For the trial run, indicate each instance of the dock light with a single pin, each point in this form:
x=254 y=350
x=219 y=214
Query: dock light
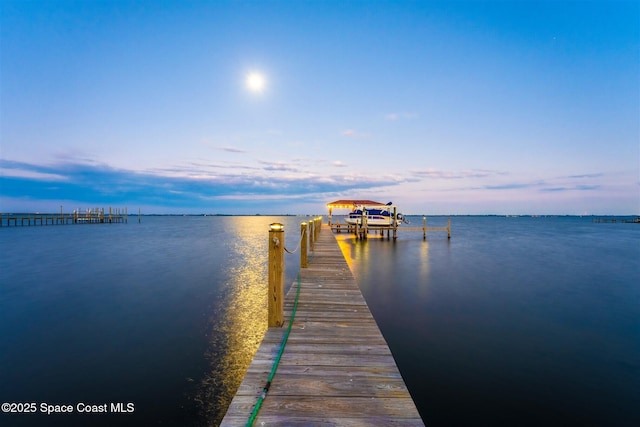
x=276 y=226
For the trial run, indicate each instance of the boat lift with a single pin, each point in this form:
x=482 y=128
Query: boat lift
x=362 y=229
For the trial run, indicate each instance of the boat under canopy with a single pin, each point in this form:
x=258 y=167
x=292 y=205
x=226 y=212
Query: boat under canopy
x=376 y=213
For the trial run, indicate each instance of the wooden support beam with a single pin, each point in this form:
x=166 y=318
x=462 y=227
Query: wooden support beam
x=276 y=275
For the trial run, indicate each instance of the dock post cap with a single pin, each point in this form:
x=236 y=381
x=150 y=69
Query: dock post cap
x=276 y=226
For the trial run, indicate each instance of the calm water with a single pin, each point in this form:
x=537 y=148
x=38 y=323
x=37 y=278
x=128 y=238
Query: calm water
x=517 y=321
x=514 y=321
x=165 y=314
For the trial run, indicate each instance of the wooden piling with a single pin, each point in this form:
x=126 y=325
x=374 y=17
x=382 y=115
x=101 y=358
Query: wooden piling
x=365 y=224
x=424 y=227
x=318 y=226
x=303 y=245
x=276 y=275
x=395 y=223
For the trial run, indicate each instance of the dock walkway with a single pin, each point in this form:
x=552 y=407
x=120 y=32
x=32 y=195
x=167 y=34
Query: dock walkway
x=336 y=368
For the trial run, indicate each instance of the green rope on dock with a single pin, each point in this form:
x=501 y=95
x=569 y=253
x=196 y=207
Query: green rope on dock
x=276 y=362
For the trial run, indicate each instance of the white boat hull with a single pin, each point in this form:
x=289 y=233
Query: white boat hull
x=376 y=216
x=371 y=221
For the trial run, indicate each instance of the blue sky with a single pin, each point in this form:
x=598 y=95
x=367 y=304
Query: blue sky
x=503 y=107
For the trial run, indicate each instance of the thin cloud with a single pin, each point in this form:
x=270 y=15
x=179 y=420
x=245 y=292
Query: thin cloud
x=568 y=183
x=232 y=150
x=198 y=169
x=339 y=164
x=573 y=188
x=586 y=187
x=442 y=174
x=25 y=171
x=398 y=116
x=542 y=186
x=509 y=186
x=278 y=166
x=351 y=133
x=586 y=175
x=499 y=181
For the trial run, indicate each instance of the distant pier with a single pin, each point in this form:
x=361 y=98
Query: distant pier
x=333 y=367
x=635 y=220
x=88 y=216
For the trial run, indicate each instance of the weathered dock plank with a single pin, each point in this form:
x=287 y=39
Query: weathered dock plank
x=336 y=368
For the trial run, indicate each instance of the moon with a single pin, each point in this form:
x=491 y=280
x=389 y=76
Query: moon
x=255 y=82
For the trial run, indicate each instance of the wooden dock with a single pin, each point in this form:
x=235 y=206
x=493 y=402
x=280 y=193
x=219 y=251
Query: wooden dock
x=635 y=220
x=89 y=216
x=336 y=367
